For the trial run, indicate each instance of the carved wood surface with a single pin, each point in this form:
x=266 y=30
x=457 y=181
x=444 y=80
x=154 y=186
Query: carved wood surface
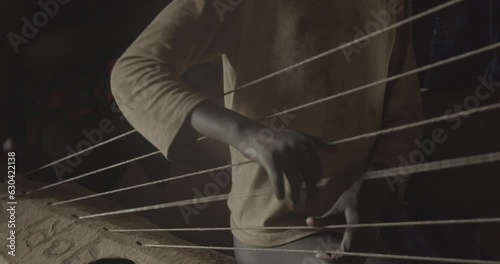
x=47 y=234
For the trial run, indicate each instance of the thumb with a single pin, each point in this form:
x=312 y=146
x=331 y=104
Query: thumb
x=351 y=219
x=334 y=216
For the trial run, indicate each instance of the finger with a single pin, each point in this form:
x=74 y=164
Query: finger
x=311 y=166
x=293 y=176
x=336 y=210
x=351 y=216
x=346 y=246
x=276 y=178
x=293 y=167
x=302 y=160
x=351 y=239
x=325 y=257
x=334 y=216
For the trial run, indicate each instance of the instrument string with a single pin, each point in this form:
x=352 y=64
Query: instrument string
x=363 y=87
x=353 y=254
x=329 y=227
x=333 y=143
x=392 y=172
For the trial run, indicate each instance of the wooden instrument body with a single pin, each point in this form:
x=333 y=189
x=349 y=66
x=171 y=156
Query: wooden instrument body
x=47 y=234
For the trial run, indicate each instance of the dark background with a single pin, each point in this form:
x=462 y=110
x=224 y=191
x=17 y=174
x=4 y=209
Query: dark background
x=58 y=85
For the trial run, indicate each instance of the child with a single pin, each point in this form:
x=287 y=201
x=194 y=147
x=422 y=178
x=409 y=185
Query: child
x=256 y=38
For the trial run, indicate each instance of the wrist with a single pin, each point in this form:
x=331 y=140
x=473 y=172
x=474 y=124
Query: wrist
x=242 y=130
x=221 y=124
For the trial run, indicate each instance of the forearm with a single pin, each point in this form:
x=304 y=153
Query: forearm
x=221 y=124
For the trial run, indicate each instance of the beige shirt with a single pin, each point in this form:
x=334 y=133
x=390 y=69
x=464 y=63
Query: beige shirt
x=259 y=37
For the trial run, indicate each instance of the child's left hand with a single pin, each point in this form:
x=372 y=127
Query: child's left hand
x=361 y=203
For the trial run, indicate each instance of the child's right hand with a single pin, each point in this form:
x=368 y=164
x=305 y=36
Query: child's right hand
x=285 y=154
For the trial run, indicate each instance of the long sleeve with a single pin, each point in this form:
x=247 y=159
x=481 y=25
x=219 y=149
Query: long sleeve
x=146 y=80
x=402 y=105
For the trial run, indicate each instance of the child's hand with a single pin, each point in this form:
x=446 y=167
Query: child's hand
x=361 y=203
x=284 y=153
x=289 y=154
